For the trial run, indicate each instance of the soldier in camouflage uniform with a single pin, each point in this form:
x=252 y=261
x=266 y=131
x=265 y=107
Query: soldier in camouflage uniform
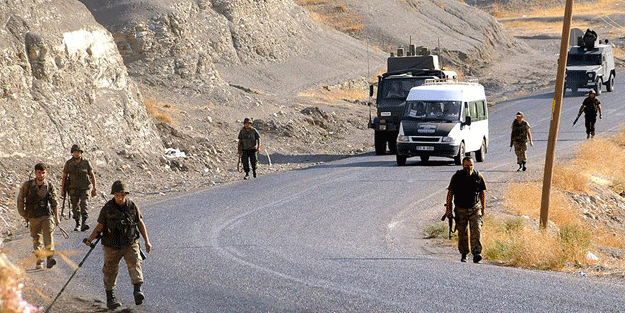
x=467 y=190
x=590 y=107
x=120 y=222
x=519 y=137
x=37 y=203
x=80 y=174
x=249 y=145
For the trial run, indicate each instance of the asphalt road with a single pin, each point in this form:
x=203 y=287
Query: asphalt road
x=346 y=236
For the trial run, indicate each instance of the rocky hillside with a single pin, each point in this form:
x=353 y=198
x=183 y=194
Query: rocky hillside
x=63 y=81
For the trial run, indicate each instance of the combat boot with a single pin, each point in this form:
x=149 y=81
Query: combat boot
x=463 y=258
x=138 y=294
x=111 y=302
x=254 y=172
x=77 y=227
x=524 y=168
x=84 y=224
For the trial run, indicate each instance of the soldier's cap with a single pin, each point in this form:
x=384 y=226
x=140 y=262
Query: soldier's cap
x=520 y=113
x=119 y=186
x=592 y=91
x=76 y=148
x=247 y=120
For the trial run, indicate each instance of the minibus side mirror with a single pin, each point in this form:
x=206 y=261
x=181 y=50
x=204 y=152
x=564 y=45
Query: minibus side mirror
x=370 y=90
x=467 y=121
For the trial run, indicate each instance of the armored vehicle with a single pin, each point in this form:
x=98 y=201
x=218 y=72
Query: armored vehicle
x=589 y=65
x=403 y=73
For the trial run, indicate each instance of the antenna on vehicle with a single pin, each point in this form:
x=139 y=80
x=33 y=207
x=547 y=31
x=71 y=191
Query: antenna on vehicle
x=440 y=55
x=368 y=77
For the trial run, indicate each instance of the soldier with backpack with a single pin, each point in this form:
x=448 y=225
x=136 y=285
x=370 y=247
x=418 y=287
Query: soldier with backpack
x=37 y=203
x=80 y=174
x=590 y=107
x=519 y=138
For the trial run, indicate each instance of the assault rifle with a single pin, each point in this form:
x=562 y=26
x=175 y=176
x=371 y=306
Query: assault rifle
x=575 y=121
x=450 y=220
x=65 y=193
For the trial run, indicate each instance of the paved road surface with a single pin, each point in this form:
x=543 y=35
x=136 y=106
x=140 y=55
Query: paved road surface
x=346 y=236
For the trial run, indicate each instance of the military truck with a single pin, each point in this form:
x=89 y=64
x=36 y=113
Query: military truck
x=590 y=65
x=403 y=73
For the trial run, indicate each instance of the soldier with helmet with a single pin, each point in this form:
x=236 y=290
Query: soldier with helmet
x=37 y=204
x=249 y=145
x=120 y=222
x=590 y=107
x=77 y=178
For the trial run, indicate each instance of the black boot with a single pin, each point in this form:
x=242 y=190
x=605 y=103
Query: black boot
x=77 y=227
x=84 y=224
x=138 y=294
x=111 y=302
x=524 y=168
x=254 y=172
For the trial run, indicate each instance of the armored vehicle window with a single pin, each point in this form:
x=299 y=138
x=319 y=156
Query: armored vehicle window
x=583 y=59
x=398 y=89
x=433 y=110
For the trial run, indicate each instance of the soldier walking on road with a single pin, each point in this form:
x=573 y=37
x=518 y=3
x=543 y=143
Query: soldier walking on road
x=519 y=137
x=37 y=203
x=77 y=177
x=467 y=189
x=120 y=222
x=590 y=107
x=249 y=145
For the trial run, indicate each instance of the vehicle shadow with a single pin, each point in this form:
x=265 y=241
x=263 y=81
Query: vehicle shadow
x=279 y=158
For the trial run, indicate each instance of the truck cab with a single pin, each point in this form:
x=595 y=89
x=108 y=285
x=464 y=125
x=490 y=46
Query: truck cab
x=403 y=73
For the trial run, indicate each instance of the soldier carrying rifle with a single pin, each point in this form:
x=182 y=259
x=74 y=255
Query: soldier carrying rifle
x=80 y=174
x=120 y=222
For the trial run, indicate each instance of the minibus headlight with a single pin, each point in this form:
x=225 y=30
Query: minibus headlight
x=402 y=138
x=448 y=139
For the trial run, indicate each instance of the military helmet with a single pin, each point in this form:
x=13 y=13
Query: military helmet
x=119 y=186
x=592 y=91
x=520 y=113
x=76 y=148
x=247 y=120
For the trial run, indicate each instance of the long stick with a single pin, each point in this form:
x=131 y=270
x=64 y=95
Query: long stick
x=70 y=278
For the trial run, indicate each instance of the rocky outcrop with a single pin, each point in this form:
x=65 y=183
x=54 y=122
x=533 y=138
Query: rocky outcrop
x=62 y=81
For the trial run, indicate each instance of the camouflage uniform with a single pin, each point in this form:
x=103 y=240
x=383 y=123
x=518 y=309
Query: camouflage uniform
x=466 y=191
x=78 y=171
x=120 y=223
x=518 y=139
x=38 y=204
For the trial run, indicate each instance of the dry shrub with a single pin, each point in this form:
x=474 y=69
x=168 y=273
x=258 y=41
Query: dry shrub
x=334 y=14
x=515 y=243
x=11 y=289
x=157 y=110
x=568 y=178
x=553 y=9
x=603 y=157
x=525 y=199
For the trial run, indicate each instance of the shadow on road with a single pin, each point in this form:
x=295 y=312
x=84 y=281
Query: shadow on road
x=279 y=158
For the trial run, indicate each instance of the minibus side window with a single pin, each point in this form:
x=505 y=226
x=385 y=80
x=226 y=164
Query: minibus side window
x=473 y=107
x=481 y=113
x=466 y=112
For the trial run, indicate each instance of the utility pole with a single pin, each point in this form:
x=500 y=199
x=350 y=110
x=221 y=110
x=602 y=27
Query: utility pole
x=555 y=114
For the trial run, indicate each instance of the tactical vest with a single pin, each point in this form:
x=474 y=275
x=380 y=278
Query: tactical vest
x=519 y=131
x=591 y=106
x=248 y=138
x=120 y=229
x=466 y=189
x=78 y=174
x=36 y=205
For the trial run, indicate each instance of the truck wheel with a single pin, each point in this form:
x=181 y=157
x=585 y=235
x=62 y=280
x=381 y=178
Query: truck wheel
x=392 y=144
x=610 y=85
x=480 y=155
x=425 y=158
x=598 y=88
x=401 y=159
x=380 y=143
x=458 y=158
